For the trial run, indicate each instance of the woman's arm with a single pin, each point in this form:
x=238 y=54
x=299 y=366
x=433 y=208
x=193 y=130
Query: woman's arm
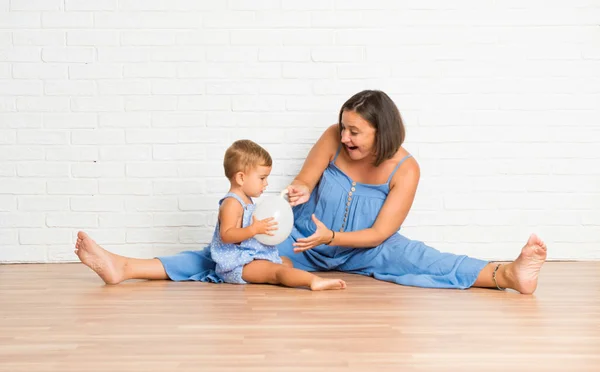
x=403 y=188
x=315 y=164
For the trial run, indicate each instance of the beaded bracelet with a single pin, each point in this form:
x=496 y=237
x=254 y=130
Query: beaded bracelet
x=494 y=278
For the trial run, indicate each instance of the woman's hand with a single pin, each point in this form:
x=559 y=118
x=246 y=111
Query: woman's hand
x=298 y=194
x=321 y=236
x=266 y=226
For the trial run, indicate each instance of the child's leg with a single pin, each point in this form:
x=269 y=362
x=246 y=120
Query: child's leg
x=287 y=262
x=262 y=271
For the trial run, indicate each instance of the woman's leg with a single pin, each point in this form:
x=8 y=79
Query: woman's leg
x=520 y=275
x=301 y=261
x=409 y=262
x=112 y=268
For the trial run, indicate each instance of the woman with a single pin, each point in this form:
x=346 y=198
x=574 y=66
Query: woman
x=350 y=198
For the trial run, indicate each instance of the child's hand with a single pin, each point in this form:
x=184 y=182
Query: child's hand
x=266 y=226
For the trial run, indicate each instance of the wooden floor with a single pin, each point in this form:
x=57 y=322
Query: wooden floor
x=62 y=318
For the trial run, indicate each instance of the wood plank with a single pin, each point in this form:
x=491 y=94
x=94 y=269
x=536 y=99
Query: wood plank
x=61 y=317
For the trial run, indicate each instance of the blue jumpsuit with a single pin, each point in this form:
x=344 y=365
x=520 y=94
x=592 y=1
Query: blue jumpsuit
x=345 y=205
x=230 y=258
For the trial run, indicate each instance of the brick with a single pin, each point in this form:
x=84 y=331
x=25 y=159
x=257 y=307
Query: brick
x=8 y=170
x=38 y=38
x=231 y=54
x=8 y=203
x=17 y=20
x=98 y=137
x=21 y=54
x=42 y=137
x=21 y=153
x=96 y=71
x=72 y=153
x=151 y=136
x=97 y=104
x=148 y=37
x=199 y=203
x=258 y=103
x=204 y=135
x=90 y=5
x=39 y=71
x=33 y=169
x=152 y=236
x=255 y=37
x=150 y=103
x=125 y=120
x=149 y=70
x=36 y=5
x=145 y=20
x=284 y=54
x=153 y=204
x=151 y=170
x=337 y=54
x=8 y=137
x=97 y=203
x=98 y=170
x=74 y=220
x=72 y=187
x=204 y=103
x=93 y=38
x=179 y=187
x=43 y=104
x=127 y=187
x=178 y=152
x=124 y=153
x=179 y=219
x=43 y=203
x=178 y=87
x=178 y=119
x=18 y=219
x=69 y=88
x=204 y=37
x=44 y=236
x=293 y=70
x=70 y=121
x=67 y=20
x=125 y=220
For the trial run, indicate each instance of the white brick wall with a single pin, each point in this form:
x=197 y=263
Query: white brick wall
x=114 y=114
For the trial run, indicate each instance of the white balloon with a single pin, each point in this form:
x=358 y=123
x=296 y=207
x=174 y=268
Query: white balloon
x=275 y=206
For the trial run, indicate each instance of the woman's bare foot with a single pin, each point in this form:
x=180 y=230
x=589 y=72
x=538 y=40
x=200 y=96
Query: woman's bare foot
x=524 y=271
x=321 y=284
x=108 y=266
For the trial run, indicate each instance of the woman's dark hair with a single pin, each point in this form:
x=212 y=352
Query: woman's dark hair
x=381 y=112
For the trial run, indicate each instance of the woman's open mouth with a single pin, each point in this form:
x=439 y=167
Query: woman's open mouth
x=351 y=148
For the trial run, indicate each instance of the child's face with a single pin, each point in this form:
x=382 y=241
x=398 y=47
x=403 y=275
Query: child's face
x=256 y=181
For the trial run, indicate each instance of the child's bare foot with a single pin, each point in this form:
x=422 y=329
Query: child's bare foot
x=321 y=284
x=524 y=271
x=108 y=266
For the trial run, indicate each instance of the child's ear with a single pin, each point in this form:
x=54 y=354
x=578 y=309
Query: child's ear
x=239 y=178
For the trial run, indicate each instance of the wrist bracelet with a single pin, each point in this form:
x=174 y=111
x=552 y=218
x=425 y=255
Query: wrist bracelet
x=332 y=237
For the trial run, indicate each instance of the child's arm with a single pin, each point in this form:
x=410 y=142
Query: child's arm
x=230 y=217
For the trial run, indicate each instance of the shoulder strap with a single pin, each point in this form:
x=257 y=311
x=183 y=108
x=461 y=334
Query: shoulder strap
x=337 y=153
x=234 y=196
x=398 y=166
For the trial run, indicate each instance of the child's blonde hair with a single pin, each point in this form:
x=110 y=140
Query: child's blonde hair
x=243 y=155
